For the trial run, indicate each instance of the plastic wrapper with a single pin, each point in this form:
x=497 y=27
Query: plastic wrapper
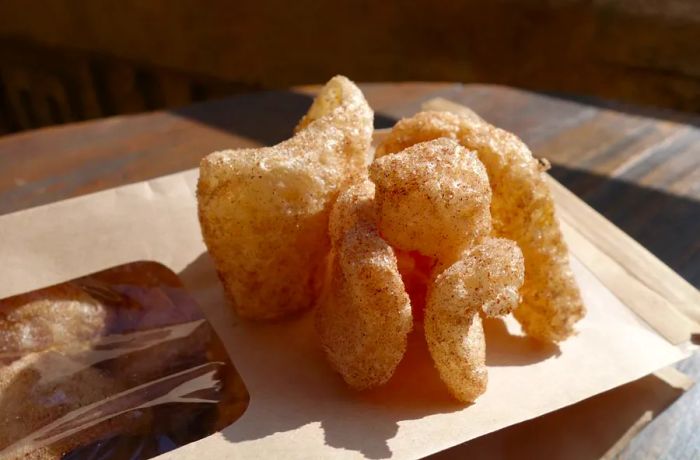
x=120 y=364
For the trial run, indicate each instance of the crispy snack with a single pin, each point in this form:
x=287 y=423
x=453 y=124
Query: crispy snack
x=433 y=202
x=522 y=210
x=432 y=198
x=364 y=315
x=264 y=212
x=486 y=281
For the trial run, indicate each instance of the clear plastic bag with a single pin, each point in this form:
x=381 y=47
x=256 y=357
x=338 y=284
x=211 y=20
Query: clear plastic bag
x=120 y=364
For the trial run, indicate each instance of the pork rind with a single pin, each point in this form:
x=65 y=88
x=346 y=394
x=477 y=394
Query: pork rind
x=485 y=281
x=522 y=210
x=364 y=315
x=32 y=398
x=432 y=206
x=432 y=198
x=264 y=212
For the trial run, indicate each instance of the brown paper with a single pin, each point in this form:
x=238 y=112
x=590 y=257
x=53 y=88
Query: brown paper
x=597 y=428
x=299 y=408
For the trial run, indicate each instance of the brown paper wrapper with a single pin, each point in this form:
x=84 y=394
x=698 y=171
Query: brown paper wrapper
x=597 y=428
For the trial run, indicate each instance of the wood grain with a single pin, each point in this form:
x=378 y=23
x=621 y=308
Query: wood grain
x=60 y=162
x=639 y=169
x=674 y=434
x=643 y=51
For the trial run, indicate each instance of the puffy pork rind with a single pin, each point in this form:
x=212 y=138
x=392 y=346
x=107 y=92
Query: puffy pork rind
x=433 y=202
x=432 y=198
x=264 y=212
x=364 y=314
x=484 y=281
x=522 y=210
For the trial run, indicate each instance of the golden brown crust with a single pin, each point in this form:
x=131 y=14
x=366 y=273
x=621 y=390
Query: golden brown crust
x=458 y=349
x=432 y=197
x=364 y=315
x=485 y=280
x=522 y=210
x=264 y=212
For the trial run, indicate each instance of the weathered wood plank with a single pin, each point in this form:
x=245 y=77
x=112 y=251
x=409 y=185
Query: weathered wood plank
x=60 y=162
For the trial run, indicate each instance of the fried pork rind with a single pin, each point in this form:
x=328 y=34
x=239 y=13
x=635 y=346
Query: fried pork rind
x=364 y=314
x=522 y=210
x=485 y=281
x=432 y=198
x=435 y=201
x=264 y=212
x=416 y=271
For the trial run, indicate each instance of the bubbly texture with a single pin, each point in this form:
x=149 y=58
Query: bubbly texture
x=522 y=209
x=452 y=222
x=432 y=198
x=430 y=206
x=484 y=281
x=364 y=314
x=264 y=212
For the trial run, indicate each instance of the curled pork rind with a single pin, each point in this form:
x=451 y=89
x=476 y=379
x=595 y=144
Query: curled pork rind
x=432 y=202
x=432 y=198
x=522 y=210
x=364 y=315
x=264 y=212
x=485 y=281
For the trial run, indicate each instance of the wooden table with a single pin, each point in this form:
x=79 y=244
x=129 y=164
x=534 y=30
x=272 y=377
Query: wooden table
x=639 y=168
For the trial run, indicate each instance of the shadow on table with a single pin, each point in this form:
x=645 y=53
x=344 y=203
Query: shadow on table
x=267 y=117
x=631 y=109
x=667 y=225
